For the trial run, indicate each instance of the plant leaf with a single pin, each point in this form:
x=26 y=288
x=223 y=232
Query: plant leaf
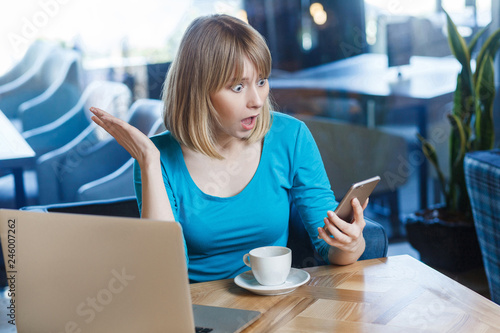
x=473 y=42
x=458 y=128
x=430 y=153
x=485 y=92
x=489 y=49
x=461 y=52
x=463 y=100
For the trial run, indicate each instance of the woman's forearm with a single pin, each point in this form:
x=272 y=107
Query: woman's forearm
x=155 y=201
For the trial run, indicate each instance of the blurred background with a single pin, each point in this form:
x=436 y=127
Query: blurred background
x=301 y=33
x=344 y=60
x=377 y=71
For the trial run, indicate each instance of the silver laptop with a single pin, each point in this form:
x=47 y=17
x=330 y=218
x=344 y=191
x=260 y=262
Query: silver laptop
x=87 y=273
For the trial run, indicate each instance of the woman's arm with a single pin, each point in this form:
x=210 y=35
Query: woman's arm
x=155 y=202
x=312 y=195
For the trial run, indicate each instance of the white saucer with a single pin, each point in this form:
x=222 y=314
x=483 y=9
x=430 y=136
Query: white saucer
x=296 y=278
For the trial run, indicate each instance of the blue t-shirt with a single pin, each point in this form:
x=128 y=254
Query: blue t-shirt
x=219 y=231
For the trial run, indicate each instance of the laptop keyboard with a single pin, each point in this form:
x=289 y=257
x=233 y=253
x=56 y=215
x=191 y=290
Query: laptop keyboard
x=202 y=329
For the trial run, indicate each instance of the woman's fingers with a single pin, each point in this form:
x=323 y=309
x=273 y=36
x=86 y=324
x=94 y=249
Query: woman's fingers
x=344 y=234
x=338 y=228
x=134 y=141
x=107 y=121
x=366 y=203
x=118 y=128
x=98 y=112
x=359 y=218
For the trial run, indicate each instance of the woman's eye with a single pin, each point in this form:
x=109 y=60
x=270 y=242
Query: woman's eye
x=237 y=88
x=262 y=82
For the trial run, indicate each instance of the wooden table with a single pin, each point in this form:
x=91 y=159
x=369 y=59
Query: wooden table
x=15 y=155
x=395 y=294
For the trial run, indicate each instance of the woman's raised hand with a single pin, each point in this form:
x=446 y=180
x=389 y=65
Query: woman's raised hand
x=155 y=202
x=134 y=141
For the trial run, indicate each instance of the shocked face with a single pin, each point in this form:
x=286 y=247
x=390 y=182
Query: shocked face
x=240 y=103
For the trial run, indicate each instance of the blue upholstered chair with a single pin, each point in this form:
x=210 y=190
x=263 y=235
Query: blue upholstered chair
x=482 y=176
x=118 y=183
x=107 y=95
x=304 y=254
x=61 y=79
x=91 y=155
x=45 y=92
x=30 y=63
x=15 y=83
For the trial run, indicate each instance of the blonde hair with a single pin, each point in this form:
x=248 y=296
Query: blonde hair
x=211 y=54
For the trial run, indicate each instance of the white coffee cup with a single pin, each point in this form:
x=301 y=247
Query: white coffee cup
x=270 y=264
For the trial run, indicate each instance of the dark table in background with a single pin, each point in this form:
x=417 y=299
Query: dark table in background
x=425 y=85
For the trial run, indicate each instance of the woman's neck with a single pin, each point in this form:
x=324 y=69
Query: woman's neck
x=232 y=147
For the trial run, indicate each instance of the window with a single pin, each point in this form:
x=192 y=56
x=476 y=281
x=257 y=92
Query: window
x=102 y=28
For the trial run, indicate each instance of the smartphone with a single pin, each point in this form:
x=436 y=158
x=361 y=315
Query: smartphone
x=362 y=191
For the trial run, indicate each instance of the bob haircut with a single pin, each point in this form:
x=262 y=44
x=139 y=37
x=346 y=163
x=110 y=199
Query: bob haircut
x=210 y=56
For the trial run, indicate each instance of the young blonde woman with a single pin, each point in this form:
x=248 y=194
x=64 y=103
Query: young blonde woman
x=228 y=169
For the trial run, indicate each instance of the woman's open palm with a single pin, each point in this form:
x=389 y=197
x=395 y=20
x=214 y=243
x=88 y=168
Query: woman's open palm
x=133 y=140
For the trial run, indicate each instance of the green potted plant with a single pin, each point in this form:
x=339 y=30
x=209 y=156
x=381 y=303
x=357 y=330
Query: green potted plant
x=444 y=235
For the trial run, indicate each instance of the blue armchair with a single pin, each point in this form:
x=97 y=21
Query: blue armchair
x=52 y=88
x=30 y=63
x=304 y=254
x=91 y=155
x=118 y=183
x=62 y=78
x=482 y=176
x=112 y=96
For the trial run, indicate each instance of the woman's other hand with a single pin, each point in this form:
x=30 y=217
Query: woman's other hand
x=347 y=243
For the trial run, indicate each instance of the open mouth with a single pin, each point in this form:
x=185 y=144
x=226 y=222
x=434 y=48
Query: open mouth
x=249 y=123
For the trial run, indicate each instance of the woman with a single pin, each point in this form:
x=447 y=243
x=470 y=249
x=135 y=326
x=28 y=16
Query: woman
x=229 y=169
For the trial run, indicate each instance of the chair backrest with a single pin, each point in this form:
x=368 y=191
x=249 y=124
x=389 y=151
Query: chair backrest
x=145 y=114
x=55 y=64
x=123 y=206
x=353 y=153
x=32 y=59
x=116 y=184
x=61 y=83
x=91 y=155
x=482 y=176
x=61 y=67
x=114 y=97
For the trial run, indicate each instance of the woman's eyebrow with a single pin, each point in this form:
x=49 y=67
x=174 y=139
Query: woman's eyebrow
x=232 y=80
x=260 y=76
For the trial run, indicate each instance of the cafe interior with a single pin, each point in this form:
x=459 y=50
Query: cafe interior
x=380 y=85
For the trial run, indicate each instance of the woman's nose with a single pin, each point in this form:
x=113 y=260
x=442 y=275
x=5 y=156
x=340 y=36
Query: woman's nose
x=256 y=98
